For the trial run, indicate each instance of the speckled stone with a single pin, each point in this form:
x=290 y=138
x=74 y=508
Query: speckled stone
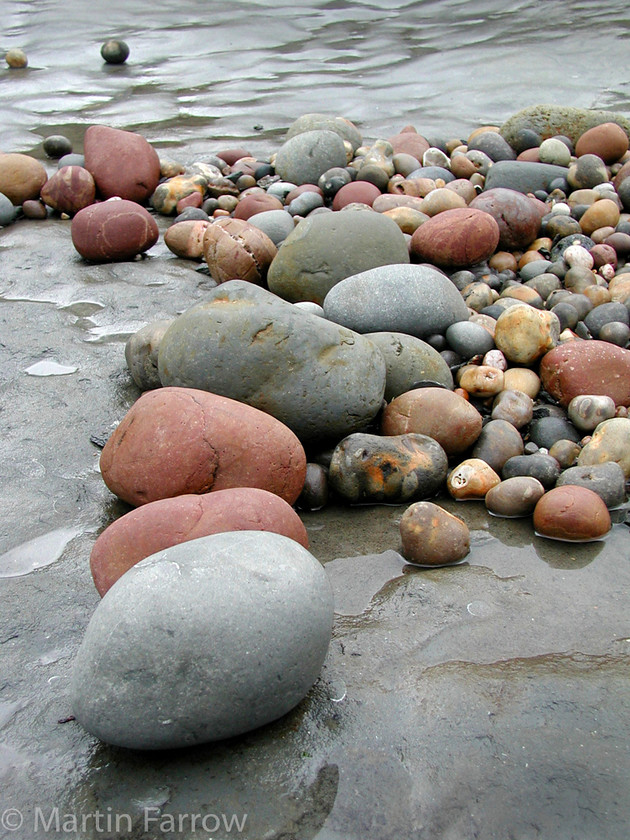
x=431 y=536
x=415 y=299
x=606 y=479
x=551 y=120
x=514 y=497
x=525 y=334
x=155 y=669
x=610 y=442
x=587 y=367
x=471 y=479
x=393 y=469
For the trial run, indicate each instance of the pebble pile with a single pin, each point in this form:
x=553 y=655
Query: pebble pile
x=390 y=320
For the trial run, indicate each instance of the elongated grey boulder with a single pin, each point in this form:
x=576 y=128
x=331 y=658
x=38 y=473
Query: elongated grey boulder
x=522 y=175
x=202 y=641
x=319 y=378
x=549 y=120
x=324 y=249
x=415 y=299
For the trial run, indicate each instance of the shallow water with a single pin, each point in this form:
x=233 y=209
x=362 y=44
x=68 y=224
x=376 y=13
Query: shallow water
x=489 y=699
x=242 y=71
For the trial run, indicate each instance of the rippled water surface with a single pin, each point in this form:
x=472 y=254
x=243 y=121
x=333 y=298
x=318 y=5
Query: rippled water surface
x=486 y=700
x=244 y=70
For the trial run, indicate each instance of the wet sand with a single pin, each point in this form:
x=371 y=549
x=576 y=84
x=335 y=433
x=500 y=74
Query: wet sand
x=488 y=699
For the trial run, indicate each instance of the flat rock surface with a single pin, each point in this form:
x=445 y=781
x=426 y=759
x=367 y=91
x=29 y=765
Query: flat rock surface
x=442 y=687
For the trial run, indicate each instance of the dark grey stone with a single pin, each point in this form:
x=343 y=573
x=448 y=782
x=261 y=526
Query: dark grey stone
x=277 y=224
x=409 y=360
x=521 y=175
x=469 y=339
x=202 y=641
x=319 y=378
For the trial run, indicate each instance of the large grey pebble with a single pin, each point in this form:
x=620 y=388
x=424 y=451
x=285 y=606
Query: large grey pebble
x=414 y=299
x=277 y=224
x=607 y=480
x=469 y=339
x=8 y=211
x=346 y=129
x=202 y=641
x=409 y=361
x=141 y=354
x=522 y=175
x=320 y=379
x=324 y=249
x=306 y=156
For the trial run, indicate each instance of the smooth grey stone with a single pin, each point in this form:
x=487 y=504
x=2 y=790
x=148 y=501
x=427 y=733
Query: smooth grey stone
x=615 y=332
x=607 y=480
x=192 y=214
x=72 y=159
x=8 y=211
x=324 y=249
x=544 y=284
x=57 y=145
x=281 y=189
x=333 y=180
x=587 y=411
x=623 y=191
x=533 y=269
x=545 y=431
x=469 y=339
x=320 y=379
x=414 y=299
x=277 y=224
x=203 y=641
x=141 y=354
x=340 y=125
x=605 y=313
x=552 y=120
x=304 y=203
x=305 y=157
x=310 y=306
x=433 y=172
x=543 y=467
x=493 y=145
x=522 y=175
x=409 y=360
x=499 y=440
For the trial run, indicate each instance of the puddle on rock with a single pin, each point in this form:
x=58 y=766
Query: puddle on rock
x=48 y=367
x=37 y=553
x=356 y=580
